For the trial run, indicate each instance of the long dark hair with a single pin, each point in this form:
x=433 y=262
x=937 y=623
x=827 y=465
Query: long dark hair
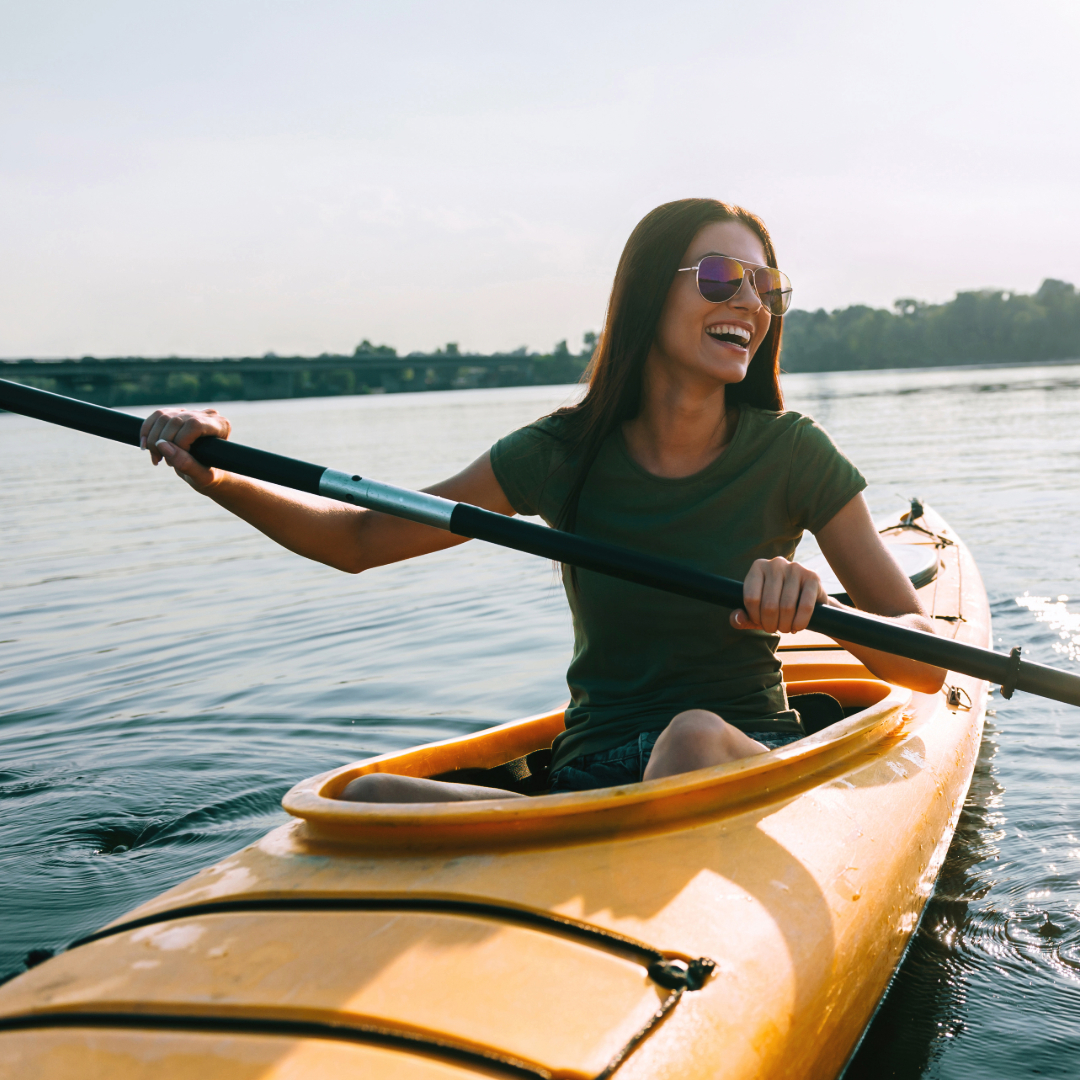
x=643 y=279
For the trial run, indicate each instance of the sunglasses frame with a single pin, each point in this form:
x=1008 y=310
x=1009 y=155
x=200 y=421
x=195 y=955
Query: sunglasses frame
x=748 y=269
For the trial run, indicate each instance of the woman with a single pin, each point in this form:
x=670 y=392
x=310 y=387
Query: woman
x=680 y=447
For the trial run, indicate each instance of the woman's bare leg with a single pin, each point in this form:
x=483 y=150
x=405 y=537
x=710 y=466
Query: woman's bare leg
x=387 y=788
x=696 y=739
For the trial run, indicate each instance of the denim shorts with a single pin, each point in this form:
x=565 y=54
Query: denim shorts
x=626 y=764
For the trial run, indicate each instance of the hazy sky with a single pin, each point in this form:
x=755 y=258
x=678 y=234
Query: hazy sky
x=232 y=177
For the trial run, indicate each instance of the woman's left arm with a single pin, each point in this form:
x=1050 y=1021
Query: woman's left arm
x=780 y=595
x=872 y=578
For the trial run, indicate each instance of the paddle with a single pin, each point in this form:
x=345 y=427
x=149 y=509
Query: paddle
x=465 y=520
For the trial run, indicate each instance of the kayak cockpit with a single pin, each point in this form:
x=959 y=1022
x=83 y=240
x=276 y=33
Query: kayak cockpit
x=873 y=709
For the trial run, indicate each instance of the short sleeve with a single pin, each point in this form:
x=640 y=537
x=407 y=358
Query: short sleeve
x=523 y=463
x=821 y=481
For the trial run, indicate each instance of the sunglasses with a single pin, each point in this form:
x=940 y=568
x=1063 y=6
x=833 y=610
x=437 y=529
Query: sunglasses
x=720 y=277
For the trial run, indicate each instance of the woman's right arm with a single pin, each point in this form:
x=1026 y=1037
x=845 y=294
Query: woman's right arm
x=345 y=537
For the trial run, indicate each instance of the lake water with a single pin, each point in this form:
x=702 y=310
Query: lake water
x=166 y=673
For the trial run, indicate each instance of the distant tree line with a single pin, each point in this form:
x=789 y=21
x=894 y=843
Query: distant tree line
x=558 y=366
x=989 y=326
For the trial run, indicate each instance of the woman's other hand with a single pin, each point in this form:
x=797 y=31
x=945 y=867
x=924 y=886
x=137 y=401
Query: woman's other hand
x=778 y=597
x=169 y=433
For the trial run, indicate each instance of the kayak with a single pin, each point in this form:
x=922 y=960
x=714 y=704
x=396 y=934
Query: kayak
x=738 y=921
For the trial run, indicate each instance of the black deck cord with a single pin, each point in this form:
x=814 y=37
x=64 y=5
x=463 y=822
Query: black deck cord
x=619 y=562
x=640 y=1036
x=674 y=975
x=278 y=1028
x=670 y=974
x=308 y=1029
x=592 y=935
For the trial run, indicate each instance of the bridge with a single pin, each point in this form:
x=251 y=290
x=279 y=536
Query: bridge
x=138 y=381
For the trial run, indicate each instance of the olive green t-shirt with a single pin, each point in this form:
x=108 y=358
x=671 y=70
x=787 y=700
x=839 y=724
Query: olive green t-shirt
x=642 y=655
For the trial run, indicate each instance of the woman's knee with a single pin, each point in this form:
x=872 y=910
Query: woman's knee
x=704 y=736
x=695 y=728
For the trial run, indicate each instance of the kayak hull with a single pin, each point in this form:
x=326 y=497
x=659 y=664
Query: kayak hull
x=552 y=936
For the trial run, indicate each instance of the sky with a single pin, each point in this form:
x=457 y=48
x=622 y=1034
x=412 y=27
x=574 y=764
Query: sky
x=237 y=177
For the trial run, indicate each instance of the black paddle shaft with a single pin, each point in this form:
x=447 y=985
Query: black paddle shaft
x=120 y=427
x=668 y=575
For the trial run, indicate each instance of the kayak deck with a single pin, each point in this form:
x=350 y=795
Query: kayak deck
x=742 y=920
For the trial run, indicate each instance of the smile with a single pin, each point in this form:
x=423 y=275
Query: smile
x=727 y=332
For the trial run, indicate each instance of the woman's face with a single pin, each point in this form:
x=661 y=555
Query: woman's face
x=713 y=340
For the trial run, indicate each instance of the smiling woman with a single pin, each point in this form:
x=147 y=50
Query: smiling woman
x=680 y=447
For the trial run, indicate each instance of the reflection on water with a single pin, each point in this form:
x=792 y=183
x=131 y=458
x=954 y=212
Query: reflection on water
x=925 y=1006
x=1058 y=617
x=166 y=673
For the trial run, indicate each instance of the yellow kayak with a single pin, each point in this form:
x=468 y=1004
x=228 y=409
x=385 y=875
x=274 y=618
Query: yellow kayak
x=739 y=921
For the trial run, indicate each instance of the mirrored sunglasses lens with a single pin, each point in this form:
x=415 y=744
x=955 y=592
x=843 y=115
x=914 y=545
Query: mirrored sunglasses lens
x=719 y=279
x=774 y=289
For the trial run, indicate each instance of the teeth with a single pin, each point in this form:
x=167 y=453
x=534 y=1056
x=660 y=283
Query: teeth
x=726 y=328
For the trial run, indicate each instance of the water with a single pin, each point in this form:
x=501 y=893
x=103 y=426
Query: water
x=166 y=674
